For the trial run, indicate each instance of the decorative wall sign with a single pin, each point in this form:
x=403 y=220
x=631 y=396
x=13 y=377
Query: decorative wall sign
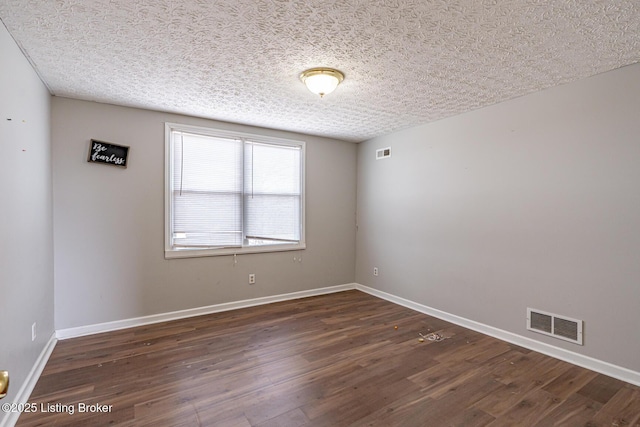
x=109 y=154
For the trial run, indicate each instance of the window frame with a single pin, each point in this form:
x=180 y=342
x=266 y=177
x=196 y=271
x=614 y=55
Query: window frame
x=172 y=252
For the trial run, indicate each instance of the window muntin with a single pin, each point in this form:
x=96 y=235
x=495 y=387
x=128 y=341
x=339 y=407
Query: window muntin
x=231 y=193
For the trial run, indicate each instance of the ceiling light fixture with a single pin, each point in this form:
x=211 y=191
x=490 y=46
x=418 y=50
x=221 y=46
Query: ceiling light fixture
x=321 y=81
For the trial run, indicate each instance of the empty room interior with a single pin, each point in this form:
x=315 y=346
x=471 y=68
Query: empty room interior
x=195 y=231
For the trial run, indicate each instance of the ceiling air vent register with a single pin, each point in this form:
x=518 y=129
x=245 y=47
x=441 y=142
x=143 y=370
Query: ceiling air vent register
x=383 y=153
x=553 y=325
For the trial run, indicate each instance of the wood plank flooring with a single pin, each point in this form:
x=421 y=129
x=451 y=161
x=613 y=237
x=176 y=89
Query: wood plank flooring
x=333 y=360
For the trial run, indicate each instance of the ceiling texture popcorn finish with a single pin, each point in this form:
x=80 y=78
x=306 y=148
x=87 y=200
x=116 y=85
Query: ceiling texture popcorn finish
x=406 y=62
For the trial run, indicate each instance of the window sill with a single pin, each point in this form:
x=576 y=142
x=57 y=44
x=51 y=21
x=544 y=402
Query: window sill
x=198 y=253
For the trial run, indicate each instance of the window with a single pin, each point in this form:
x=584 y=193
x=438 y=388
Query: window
x=231 y=193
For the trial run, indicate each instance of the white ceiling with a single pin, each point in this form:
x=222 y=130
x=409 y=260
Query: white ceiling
x=406 y=62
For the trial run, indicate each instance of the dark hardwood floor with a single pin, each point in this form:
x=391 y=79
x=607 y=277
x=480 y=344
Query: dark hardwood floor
x=333 y=360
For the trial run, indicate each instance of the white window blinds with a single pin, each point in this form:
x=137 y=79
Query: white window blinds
x=272 y=193
x=207 y=191
x=233 y=192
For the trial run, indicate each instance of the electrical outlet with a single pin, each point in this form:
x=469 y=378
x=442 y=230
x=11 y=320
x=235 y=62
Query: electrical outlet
x=252 y=279
x=33 y=331
x=375 y=271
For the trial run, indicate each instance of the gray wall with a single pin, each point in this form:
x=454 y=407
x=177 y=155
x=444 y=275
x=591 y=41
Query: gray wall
x=117 y=216
x=534 y=202
x=26 y=246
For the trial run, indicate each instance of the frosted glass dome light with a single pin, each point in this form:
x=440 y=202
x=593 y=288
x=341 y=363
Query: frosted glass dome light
x=321 y=81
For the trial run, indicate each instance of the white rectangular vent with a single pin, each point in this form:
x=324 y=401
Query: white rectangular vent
x=383 y=153
x=553 y=325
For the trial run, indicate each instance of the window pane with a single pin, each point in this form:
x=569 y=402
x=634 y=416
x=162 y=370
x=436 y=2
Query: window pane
x=207 y=219
x=273 y=216
x=272 y=187
x=207 y=191
x=205 y=163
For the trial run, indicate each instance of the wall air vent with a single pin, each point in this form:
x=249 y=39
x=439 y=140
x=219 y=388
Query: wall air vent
x=383 y=153
x=560 y=327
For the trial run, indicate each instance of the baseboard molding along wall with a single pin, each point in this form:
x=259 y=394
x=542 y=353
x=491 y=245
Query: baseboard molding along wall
x=587 y=362
x=63 y=334
x=22 y=397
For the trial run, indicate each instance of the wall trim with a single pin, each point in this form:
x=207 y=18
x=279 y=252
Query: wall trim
x=11 y=418
x=64 y=334
x=587 y=362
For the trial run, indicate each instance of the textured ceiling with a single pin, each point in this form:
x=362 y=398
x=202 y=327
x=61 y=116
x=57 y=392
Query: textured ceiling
x=406 y=62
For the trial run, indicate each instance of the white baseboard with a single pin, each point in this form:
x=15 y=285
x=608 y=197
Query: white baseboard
x=587 y=362
x=10 y=418
x=181 y=314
